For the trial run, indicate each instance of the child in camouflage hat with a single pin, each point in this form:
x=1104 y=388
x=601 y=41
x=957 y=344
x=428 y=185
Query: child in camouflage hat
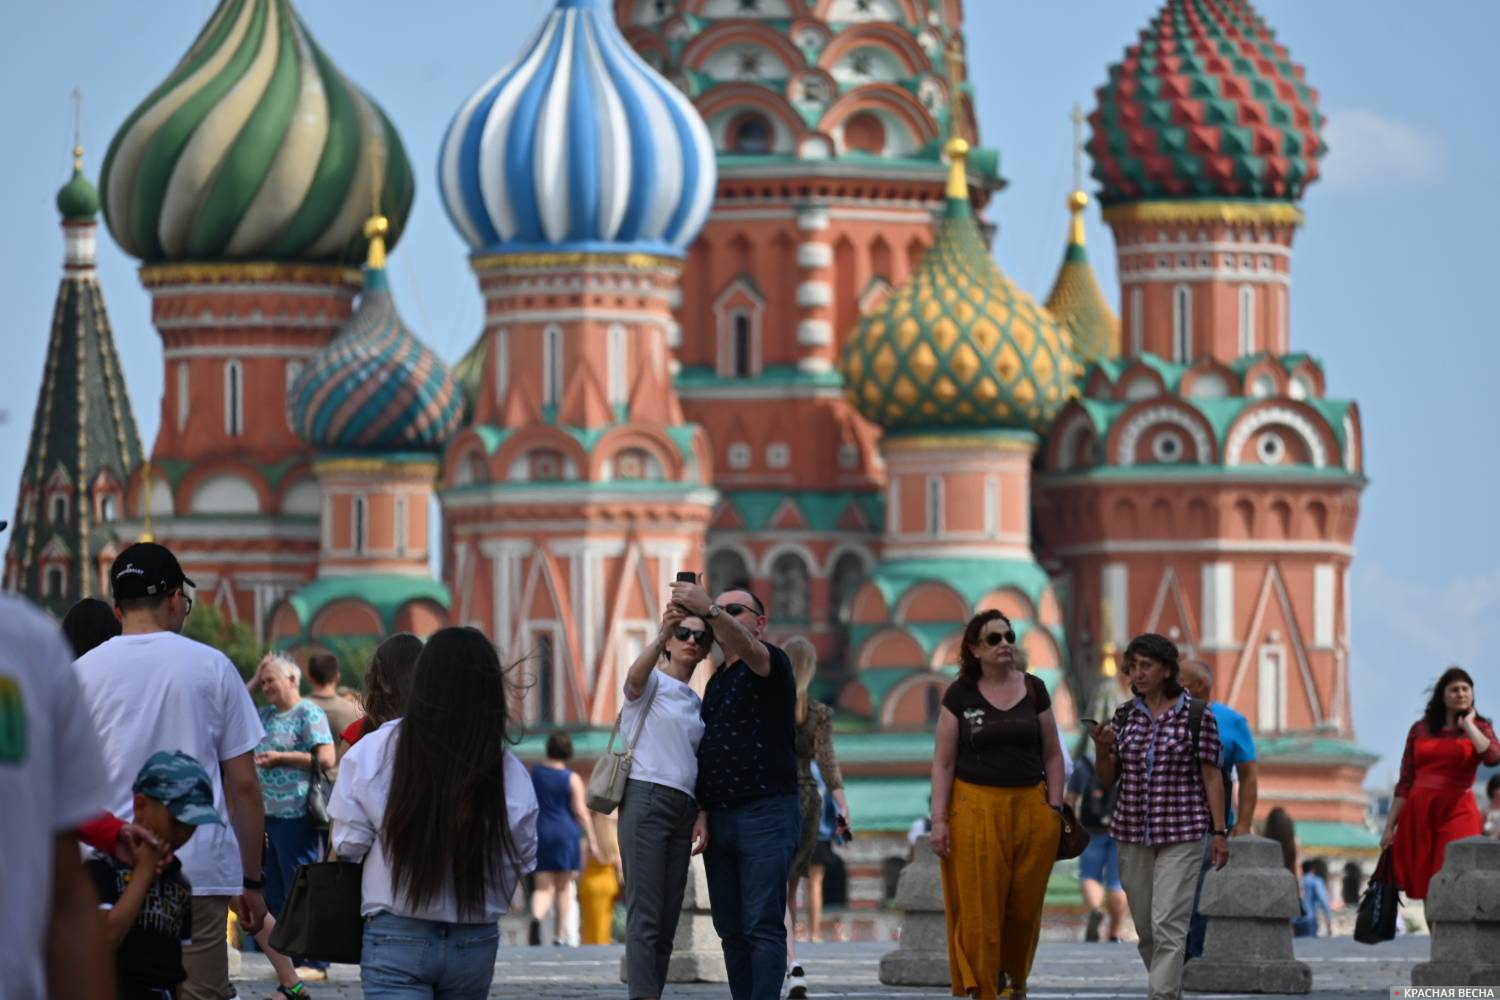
x=149 y=915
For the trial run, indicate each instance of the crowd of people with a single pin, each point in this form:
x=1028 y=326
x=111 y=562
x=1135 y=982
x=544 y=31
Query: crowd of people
x=192 y=802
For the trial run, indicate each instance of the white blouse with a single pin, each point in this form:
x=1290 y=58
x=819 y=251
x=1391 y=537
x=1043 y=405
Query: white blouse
x=667 y=753
x=357 y=808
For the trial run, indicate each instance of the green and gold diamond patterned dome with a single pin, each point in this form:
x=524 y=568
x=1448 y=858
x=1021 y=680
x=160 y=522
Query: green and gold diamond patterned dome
x=255 y=147
x=958 y=345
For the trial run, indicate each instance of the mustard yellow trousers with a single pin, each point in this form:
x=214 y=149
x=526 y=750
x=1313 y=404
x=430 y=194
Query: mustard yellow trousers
x=1002 y=845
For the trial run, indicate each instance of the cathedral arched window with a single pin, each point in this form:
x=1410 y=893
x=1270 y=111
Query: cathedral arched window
x=59 y=507
x=934 y=505
x=1182 y=324
x=750 y=133
x=234 y=399
x=727 y=570
x=790 y=586
x=55 y=582
x=1247 y=320
x=552 y=366
x=848 y=573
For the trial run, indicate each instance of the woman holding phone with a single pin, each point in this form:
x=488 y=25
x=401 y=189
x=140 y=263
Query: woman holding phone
x=659 y=822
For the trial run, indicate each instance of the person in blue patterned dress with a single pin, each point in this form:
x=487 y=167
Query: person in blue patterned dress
x=296 y=731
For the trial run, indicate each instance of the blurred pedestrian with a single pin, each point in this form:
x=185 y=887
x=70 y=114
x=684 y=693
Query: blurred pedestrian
x=1492 y=806
x=1314 y=901
x=89 y=623
x=444 y=818
x=52 y=778
x=599 y=886
x=387 y=685
x=1434 y=803
x=813 y=740
x=323 y=680
x=1280 y=828
x=296 y=749
x=562 y=821
x=997 y=794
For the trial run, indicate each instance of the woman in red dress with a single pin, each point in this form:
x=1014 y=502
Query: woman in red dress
x=1434 y=802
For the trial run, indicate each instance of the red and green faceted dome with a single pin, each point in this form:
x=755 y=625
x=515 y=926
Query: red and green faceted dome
x=1206 y=105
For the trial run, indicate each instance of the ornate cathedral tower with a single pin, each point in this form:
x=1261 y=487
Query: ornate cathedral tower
x=1205 y=488
x=577 y=176
x=83 y=439
x=377 y=405
x=828 y=120
x=242 y=183
x=962 y=370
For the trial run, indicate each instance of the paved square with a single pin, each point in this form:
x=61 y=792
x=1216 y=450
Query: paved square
x=1341 y=969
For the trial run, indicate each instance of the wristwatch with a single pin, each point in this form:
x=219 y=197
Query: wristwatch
x=713 y=612
x=1221 y=833
x=254 y=883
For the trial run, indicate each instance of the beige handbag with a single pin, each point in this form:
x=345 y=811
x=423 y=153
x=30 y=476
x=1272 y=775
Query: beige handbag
x=612 y=769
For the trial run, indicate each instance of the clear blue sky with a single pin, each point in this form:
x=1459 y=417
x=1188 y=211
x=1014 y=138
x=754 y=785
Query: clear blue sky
x=1393 y=274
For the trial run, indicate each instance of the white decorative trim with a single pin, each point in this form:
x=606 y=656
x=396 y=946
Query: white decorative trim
x=506 y=494
x=253 y=322
x=1131 y=434
x=809 y=220
x=1275 y=415
x=814 y=333
x=814 y=294
x=814 y=255
x=1212 y=545
x=814 y=366
x=1185 y=274
x=970 y=547
x=730 y=393
x=247 y=351
x=204 y=528
x=1351 y=444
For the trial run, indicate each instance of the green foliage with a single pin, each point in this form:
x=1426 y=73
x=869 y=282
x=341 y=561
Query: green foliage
x=236 y=640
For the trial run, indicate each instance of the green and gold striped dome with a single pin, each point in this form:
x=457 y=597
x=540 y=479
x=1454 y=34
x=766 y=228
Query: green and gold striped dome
x=958 y=345
x=255 y=147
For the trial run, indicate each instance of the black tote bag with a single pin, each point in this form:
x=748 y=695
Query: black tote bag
x=1379 y=905
x=320 y=919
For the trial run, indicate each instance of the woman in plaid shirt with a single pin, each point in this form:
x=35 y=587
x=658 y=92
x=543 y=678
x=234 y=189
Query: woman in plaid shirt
x=1171 y=796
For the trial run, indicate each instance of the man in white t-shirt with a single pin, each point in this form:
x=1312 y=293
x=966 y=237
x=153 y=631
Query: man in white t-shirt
x=52 y=778
x=151 y=689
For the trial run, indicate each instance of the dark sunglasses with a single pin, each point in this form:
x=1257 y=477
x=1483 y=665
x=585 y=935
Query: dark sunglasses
x=683 y=633
x=995 y=638
x=739 y=609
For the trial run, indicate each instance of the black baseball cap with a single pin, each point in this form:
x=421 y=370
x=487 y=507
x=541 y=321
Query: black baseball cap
x=146 y=569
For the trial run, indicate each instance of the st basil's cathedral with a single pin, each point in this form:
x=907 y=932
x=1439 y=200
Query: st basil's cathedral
x=740 y=316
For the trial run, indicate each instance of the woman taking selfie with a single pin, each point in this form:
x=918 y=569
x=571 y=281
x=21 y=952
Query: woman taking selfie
x=1434 y=802
x=444 y=818
x=659 y=815
x=997 y=789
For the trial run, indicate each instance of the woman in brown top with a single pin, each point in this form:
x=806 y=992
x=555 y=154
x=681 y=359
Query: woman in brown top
x=814 y=741
x=997 y=792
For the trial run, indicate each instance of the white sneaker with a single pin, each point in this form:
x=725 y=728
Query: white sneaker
x=796 y=984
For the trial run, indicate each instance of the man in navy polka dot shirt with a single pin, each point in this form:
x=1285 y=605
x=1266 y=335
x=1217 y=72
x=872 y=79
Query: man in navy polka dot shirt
x=747 y=788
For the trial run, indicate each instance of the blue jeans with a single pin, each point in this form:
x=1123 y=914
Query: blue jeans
x=404 y=958
x=749 y=856
x=291 y=841
x=1198 y=923
x=1100 y=861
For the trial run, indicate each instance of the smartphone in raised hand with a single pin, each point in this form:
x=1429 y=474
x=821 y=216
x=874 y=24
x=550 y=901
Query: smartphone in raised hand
x=687 y=576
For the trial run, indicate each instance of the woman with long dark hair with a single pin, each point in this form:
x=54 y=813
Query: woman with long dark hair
x=997 y=792
x=1434 y=802
x=387 y=685
x=444 y=818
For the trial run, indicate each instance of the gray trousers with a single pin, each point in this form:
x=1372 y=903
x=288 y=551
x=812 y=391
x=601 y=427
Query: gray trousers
x=656 y=835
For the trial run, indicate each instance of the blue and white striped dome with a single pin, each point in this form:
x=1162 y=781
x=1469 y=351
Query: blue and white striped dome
x=578 y=145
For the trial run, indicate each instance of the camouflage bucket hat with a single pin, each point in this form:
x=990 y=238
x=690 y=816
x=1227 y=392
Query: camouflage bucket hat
x=179 y=782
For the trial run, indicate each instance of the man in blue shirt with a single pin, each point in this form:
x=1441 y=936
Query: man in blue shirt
x=1314 y=901
x=1239 y=755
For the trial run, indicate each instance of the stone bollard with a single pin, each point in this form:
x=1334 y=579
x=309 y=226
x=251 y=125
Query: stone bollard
x=1463 y=909
x=921 y=957
x=1250 y=904
x=697 y=955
